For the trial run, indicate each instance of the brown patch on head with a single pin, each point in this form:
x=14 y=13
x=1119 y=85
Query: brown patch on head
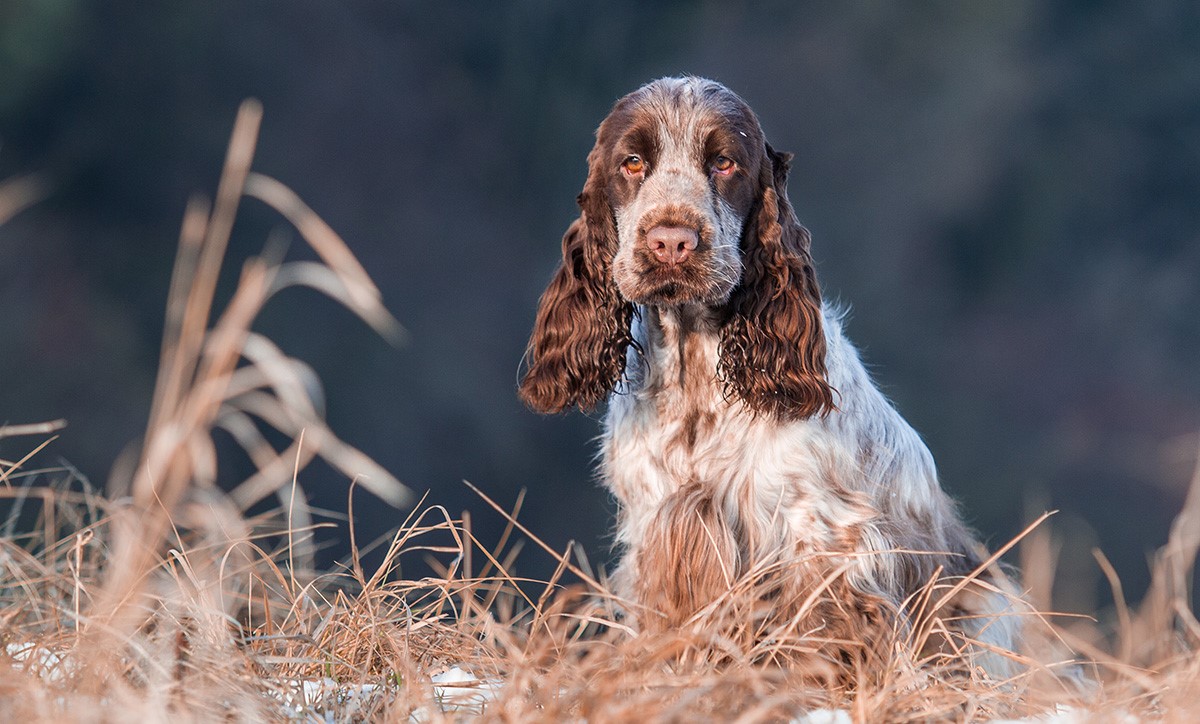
x=699 y=152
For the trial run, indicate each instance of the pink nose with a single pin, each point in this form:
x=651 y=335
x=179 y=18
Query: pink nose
x=672 y=244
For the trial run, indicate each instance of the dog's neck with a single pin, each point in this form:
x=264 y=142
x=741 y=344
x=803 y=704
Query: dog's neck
x=682 y=349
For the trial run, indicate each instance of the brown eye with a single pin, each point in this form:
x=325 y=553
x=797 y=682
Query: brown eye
x=723 y=165
x=633 y=165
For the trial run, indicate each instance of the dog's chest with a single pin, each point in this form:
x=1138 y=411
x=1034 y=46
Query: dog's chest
x=663 y=438
x=674 y=425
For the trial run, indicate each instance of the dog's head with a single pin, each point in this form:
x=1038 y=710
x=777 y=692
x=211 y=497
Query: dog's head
x=681 y=164
x=685 y=203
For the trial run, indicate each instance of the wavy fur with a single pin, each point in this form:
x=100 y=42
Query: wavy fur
x=577 y=352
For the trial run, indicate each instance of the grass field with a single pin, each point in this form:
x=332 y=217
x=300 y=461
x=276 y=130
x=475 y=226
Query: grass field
x=164 y=599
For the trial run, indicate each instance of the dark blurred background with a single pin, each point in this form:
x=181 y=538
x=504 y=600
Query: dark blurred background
x=1005 y=194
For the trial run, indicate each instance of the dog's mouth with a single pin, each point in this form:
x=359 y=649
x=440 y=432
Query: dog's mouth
x=674 y=286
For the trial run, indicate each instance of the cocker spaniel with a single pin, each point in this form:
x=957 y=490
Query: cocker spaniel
x=743 y=436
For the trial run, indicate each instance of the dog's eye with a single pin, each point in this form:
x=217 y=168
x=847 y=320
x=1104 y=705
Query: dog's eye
x=633 y=165
x=723 y=165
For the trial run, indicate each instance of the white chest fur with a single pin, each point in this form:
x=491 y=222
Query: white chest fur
x=818 y=484
x=672 y=425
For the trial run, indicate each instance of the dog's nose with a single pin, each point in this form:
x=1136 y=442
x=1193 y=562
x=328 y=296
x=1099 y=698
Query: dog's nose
x=672 y=244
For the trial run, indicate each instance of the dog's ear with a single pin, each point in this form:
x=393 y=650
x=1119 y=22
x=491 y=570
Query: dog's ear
x=576 y=354
x=773 y=345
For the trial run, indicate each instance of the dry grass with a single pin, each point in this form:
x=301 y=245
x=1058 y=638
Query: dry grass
x=166 y=600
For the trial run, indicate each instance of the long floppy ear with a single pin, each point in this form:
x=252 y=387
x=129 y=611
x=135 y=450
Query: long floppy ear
x=576 y=354
x=773 y=345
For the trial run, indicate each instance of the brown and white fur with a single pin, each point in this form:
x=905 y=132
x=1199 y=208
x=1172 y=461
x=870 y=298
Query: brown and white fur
x=743 y=430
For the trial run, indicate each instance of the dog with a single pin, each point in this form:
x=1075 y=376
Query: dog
x=743 y=435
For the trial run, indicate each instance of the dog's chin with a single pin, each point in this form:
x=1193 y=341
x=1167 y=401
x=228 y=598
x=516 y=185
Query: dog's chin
x=672 y=290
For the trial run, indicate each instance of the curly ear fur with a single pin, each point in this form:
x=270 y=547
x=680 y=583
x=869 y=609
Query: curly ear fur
x=773 y=346
x=576 y=353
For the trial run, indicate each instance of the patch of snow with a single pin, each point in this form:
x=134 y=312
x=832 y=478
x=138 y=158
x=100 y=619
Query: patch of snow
x=455 y=691
x=310 y=700
x=826 y=716
x=457 y=686
x=458 y=691
x=44 y=662
x=1063 y=714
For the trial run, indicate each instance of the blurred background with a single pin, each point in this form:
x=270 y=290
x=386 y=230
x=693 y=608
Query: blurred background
x=1004 y=193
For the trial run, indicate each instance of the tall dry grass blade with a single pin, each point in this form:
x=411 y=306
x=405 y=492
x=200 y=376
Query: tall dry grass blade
x=33 y=428
x=1168 y=597
x=1038 y=556
x=210 y=251
x=18 y=194
x=990 y=561
x=508 y=529
x=1124 y=620
x=583 y=576
x=17 y=465
x=173 y=363
x=364 y=296
x=238 y=158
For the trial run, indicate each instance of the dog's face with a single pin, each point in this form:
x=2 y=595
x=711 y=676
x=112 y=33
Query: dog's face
x=680 y=162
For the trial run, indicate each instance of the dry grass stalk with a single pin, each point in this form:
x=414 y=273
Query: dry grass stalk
x=20 y=193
